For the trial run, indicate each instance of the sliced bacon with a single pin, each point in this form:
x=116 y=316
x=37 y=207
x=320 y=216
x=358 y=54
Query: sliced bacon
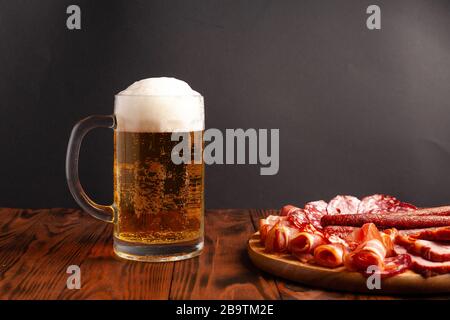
x=399 y=221
x=315 y=211
x=429 y=250
x=425 y=267
x=383 y=203
x=329 y=255
x=343 y=205
x=306 y=242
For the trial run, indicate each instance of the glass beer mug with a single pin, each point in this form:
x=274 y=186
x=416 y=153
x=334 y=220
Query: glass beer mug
x=158 y=205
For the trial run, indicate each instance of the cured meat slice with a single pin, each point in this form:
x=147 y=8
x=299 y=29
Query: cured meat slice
x=434 y=234
x=399 y=221
x=306 y=243
x=388 y=237
x=287 y=209
x=315 y=211
x=429 y=250
x=278 y=238
x=434 y=211
x=395 y=265
x=383 y=203
x=340 y=231
x=371 y=251
x=425 y=267
x=266 y=224
x=343 y=205
x=295 y=215
x=329 y=255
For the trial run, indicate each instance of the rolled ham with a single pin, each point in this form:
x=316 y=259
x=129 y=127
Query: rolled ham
x=306 y=242
x=329 y=255
x=278 y=238
x=371 y=250
x=266 y=224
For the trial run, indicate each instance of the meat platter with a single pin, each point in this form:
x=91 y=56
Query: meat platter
x=377 y=244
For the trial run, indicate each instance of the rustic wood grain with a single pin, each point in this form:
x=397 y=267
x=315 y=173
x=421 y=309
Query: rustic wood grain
x=110 y=277
x=224 y=270
x=37 y=246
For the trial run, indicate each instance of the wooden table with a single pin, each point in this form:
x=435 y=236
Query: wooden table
x=37 y=246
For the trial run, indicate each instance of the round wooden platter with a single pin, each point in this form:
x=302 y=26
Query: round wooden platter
x=288 y=267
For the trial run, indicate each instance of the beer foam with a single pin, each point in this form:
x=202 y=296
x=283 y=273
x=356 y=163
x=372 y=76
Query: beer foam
x=159 y=105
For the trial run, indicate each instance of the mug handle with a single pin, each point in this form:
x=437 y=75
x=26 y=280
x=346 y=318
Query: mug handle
x=104 y=213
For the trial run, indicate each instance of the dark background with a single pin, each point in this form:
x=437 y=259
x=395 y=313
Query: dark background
x=359 y=111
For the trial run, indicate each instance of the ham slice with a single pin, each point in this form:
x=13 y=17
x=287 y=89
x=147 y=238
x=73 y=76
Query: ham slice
x=425 y=267
x=436 y=234
x=329 y=255
x=306 y=242
x=429 y=250
x=343 y=205
x=370 y=252
x=266 y=224
x=279 y=236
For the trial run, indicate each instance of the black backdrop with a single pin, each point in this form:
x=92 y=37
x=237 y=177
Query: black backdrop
x=359 y=111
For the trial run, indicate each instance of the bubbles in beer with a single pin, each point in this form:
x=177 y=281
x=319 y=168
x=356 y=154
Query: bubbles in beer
x=157 y=201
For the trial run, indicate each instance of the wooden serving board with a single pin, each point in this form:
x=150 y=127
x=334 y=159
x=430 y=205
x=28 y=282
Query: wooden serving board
x=288 y=267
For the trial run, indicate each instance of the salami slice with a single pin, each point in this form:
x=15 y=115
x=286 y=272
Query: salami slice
x=315 y=211
x=395 y=265
x=343 y=205
x=340 y=231
x=383 y=203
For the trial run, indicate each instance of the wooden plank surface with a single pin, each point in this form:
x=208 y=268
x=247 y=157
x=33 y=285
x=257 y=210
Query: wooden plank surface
x=37 y=246
x=224 y=270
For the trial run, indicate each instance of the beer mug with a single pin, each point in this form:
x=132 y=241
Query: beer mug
x=158 y=205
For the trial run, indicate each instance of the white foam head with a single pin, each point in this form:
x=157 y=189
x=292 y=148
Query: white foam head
x=159 y=105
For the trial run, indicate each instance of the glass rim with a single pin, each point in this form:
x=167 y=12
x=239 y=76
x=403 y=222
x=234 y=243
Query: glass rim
x=158 y=95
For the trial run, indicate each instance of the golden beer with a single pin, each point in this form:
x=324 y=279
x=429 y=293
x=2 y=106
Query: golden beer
x=157 y=201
